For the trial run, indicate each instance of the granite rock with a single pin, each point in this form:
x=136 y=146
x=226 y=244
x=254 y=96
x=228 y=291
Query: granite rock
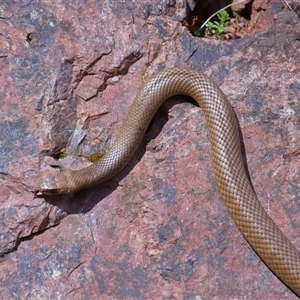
x=159 y=230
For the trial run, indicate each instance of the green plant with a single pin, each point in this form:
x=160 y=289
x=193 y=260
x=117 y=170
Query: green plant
x=217 y=28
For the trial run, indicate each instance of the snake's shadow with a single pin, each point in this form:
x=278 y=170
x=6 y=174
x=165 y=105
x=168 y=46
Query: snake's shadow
x=83 y=201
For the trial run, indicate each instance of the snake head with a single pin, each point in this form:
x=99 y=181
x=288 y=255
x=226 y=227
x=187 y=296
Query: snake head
x=55 y=184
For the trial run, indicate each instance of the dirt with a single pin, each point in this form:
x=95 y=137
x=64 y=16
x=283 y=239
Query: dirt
x=246 y=17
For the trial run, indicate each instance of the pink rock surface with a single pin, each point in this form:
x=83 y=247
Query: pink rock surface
x=69 y=72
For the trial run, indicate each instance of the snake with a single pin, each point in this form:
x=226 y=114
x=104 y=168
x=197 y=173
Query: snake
x=263 y=235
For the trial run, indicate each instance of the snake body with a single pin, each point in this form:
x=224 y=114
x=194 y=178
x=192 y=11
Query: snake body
x=255 y=224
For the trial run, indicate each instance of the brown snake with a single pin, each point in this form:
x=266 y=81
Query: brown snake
x=257 y=227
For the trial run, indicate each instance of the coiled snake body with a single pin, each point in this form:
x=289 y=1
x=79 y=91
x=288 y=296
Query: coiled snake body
x=240 y=199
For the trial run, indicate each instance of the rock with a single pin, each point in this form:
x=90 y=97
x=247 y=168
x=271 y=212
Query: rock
x=69 y=72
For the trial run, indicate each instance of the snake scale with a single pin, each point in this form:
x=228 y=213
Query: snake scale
x=255 y=224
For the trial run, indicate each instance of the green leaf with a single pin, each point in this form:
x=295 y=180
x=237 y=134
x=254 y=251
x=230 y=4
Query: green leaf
x=217 y=28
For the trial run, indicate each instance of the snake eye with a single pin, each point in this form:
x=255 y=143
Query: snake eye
x=50 y=192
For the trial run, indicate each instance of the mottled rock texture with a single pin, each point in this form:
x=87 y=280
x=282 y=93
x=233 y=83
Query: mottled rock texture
x=69 y=72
